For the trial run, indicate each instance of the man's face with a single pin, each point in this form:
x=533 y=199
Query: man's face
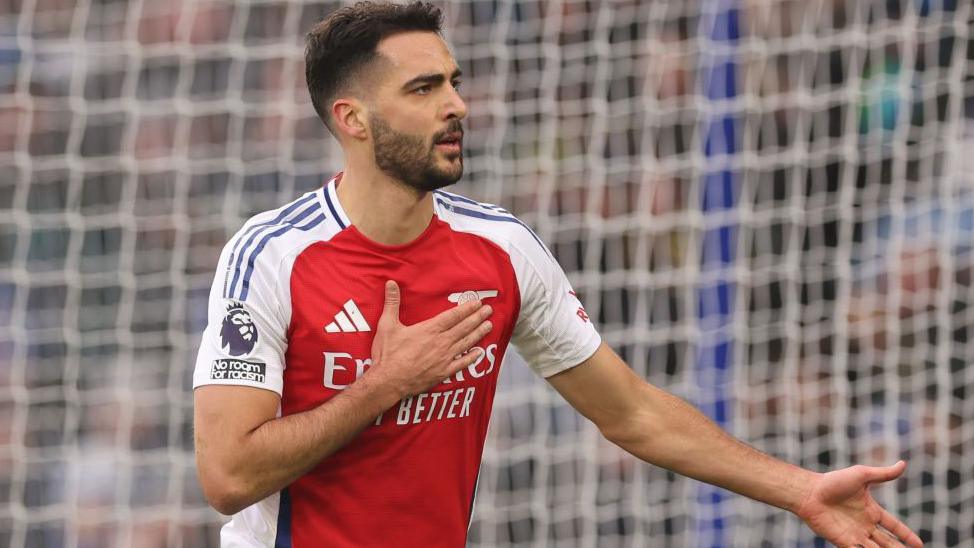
x=415 y=119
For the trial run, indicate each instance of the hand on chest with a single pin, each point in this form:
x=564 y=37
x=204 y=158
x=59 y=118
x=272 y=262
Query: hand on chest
x=338 y=295
x=342 y=329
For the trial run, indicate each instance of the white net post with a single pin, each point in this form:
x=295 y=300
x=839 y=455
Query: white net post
x=136 y=136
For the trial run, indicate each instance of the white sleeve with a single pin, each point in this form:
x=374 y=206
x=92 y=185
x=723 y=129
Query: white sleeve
x=553 y=332
x=246 y=333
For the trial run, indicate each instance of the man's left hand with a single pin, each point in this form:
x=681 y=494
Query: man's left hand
x=840 y=509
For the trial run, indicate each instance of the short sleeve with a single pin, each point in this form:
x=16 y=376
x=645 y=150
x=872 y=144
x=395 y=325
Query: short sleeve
x=245 y=336
x=553 y=332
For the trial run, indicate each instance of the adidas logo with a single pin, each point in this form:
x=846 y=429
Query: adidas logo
x=348 y=320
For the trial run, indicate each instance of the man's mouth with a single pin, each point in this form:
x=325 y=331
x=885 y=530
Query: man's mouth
x=450 y=141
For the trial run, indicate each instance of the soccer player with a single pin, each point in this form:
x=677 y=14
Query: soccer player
x=345 y=380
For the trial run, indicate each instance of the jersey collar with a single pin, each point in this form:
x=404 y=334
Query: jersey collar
x=331 y=203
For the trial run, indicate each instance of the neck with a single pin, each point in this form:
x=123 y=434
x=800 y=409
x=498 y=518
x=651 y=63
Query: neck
x=383 y=209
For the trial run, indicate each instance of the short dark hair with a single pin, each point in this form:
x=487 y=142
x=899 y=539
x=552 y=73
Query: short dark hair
x=343 y=43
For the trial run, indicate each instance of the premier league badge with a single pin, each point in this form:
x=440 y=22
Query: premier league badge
x=239 y=334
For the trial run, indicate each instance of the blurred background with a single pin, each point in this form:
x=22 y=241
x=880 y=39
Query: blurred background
x=766 y=205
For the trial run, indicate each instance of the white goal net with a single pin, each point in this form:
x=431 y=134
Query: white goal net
x=766 y=205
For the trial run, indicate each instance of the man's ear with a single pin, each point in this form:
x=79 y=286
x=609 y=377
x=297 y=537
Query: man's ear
x=349 y=116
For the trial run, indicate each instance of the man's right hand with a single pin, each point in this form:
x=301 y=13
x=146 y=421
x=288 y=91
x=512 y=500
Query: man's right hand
x=409 y=359
x=244 y=452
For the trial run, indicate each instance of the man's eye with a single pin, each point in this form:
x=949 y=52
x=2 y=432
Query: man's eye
x=423 y=90
x=457 y=84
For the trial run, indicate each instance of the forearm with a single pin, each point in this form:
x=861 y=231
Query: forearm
x=672 y=434
x=277 y=452
x=664 y=430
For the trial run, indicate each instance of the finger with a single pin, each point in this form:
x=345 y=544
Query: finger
x=869 y=543
x=465 y=360
x=390 y=310
x=470 y=339
x=879 y=474
x=449 y=318
x=467 y=325
x=885 y=539
x=899 y=529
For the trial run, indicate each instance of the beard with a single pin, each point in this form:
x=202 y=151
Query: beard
x=408 y=158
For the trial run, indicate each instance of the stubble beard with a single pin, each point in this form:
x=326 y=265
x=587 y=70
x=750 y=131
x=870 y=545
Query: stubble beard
x=409 y=159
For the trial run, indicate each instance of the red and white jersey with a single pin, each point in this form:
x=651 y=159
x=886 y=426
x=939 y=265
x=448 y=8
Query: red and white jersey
x=293 y=309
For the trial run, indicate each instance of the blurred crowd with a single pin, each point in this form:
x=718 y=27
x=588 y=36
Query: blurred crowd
x=136 y=137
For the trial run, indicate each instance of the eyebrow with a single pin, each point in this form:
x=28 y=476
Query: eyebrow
x=431 y=79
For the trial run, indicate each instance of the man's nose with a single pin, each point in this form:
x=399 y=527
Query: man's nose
x=455 y=107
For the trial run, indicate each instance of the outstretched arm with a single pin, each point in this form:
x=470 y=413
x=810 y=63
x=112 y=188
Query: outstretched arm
x=662 y=429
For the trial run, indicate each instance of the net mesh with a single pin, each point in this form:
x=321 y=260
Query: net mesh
x=768 y=207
